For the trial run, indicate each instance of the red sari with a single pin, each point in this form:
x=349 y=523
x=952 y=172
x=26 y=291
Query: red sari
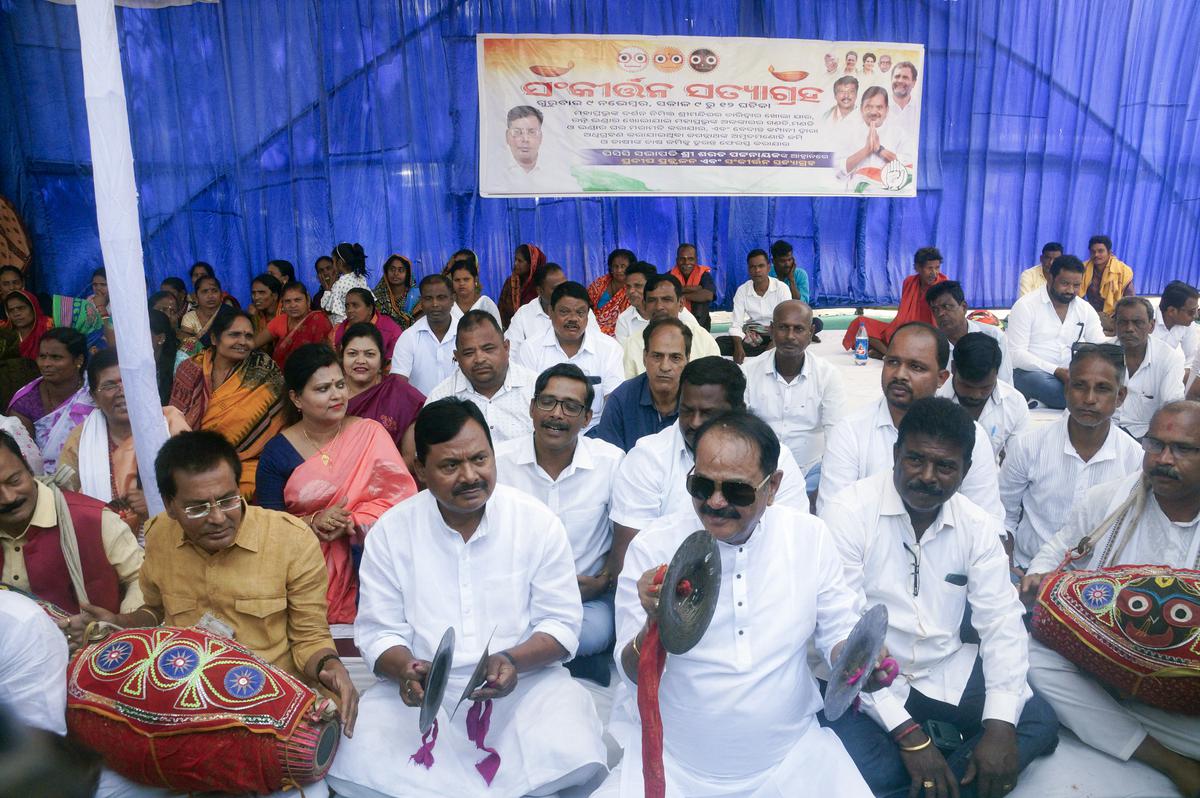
x=312 y=329
x=913 y=307
x=607 y=314
x=363 y=467
x=516 y=292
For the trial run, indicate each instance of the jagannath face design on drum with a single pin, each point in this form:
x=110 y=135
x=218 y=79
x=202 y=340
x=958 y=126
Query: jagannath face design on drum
x=632 y=59
x=703 y=60
x=668 y=59
x=1159 y=612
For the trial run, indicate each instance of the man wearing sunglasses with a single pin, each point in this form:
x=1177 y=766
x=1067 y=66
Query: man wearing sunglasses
x=739 y=709
x=1149 y=517
x=652 y=482
x=1049 y=468
x=912 y=541
x=1153 y=369
x=573 y=476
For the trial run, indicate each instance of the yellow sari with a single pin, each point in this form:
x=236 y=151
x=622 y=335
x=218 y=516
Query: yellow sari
x=244 y=408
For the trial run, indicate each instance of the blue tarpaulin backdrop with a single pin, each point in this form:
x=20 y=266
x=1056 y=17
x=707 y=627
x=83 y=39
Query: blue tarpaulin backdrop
x=276 y=128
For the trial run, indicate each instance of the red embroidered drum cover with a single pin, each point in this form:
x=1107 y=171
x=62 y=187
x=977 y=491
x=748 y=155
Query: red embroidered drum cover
x=1134 y=627
x=185 y=709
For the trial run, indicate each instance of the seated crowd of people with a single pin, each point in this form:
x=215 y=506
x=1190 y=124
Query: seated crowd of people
x=351 y=473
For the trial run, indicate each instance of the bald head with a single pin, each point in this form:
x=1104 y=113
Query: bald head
x=1172 y=459
x=791 y=328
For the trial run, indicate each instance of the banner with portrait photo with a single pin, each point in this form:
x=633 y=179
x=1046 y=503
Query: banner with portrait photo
x=578 y=115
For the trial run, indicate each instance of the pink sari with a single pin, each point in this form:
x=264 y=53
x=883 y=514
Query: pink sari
x=365 y=469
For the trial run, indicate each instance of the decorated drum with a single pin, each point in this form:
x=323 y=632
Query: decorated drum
x=191 y=711
x=1135 y=628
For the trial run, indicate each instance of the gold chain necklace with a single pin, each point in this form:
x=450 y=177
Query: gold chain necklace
x=320 y=451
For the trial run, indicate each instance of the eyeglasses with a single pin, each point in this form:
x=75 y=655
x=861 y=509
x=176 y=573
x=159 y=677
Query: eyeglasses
x=109 y=387
x=1178 y=450
x=916 y=574
x=226 y=504
x=739 y=494
x=1112 y=351
x=569 y=407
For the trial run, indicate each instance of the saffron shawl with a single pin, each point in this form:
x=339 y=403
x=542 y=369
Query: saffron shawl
x=608 y=312
x=1116 y=276
x=913 y=307
x=364 y=468
x=244 y=408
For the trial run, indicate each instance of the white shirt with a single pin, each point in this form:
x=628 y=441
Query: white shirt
x=33 y=670
x=871 y=528
x=907 y=118
x=861 y=445
x=515 y=575
x=734 y=705
x=1157 y=540
x=750 y=308
x=580 y=496
x=599 y=357
x=703 y=345
x=1185 y=337
x=992 y=331
x=652 y=480
x=1043 y=475
x=1158 y=380
x=507 y=411
x=1038 y=341
x=421 y=357
x=802 y=412
x=530 y=322
x=485 y=304
x=631 y=322
x=1006 y=413
x=333 y=301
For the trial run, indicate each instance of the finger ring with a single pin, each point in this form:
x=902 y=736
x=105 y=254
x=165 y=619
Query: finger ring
x=928 y=784
x=1006 y=786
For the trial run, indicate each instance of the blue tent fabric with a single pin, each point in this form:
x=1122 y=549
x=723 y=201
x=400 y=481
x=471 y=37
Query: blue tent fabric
x=276 y=128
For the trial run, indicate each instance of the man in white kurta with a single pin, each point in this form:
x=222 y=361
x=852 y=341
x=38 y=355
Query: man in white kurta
x=754 y=305
x=532 y=320
x=1175 y=323
x=1166 y=531
x=495 y=565
x=663 y=299
x=424 y=355
x=739 y=709
x=1153 y=368
x=912 y=542
x=976 y=385
x=861 y=444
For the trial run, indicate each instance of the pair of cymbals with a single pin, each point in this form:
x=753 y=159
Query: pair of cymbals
x=439 y=676
x=857 y=660
x=690 y=590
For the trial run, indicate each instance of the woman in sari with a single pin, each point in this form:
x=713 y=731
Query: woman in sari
x=58 y=401
x=296 y=326
x=396 y=294
x=386 y=398
x=89 y=316
x=335 y=472
x=519 y=288
x=196 y=325
x=232 y=389
x=265 y=293
x=468 y=291
x=20 y=337
x=167 y=357
x=100 y=450
x=608 y=292
x=282 y=270
x=360 y=307
x=351 y=264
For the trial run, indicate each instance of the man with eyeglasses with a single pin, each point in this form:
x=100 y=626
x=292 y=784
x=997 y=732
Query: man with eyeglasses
x=1048 y=468
x=573 y=475
x=911 y=541
x=652 y=482
x=239 y=571
x=1043 y=325
x=571 y=339
x=496 y=567
x=1153 y=369
x=739 y=709
x=1151 y=516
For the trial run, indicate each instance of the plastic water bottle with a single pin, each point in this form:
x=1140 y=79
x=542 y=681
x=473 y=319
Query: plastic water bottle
x=861 y=346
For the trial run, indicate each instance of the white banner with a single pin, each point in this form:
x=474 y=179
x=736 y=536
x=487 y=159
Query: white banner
x=635 y=115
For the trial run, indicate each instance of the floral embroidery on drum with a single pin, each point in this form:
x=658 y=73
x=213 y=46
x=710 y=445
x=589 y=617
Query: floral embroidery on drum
x=244 y=681
x=1098 y=595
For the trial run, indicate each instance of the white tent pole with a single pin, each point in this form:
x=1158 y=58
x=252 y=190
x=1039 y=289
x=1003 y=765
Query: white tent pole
x=120 y=235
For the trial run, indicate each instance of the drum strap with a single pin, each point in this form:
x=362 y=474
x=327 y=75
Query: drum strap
x=1112 y=526
x=69 y=544
x=650 y=668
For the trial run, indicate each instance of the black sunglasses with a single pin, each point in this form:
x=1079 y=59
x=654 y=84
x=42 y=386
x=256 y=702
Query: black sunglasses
x=1114 y=352
x=739 y=494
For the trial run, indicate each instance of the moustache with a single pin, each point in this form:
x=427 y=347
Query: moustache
x=1165 y=471
x=970 y=401
x=557 y=426
x=916 y=486
x=11 y=507
x=899 y=384
x=723 y=512
x=468 y=487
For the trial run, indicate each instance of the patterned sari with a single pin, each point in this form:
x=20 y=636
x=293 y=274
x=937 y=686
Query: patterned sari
x=608 y=306
x=515 y=292
x=398 y=309
x=244 y=408
x=52 y=426
x=312 y=329
x=193 y=333
x=82 y=315
x=394 y=403
x=363 y=467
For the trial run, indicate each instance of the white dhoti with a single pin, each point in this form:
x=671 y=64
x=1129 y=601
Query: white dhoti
x=1107 y=724
x=817 y=765
x=114 y=785
x=546 y=733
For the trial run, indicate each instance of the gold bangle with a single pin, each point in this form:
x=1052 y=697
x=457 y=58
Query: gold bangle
x=634 y=644
x=908 y=749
